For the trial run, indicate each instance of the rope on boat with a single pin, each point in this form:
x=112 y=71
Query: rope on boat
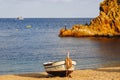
x=68 y=63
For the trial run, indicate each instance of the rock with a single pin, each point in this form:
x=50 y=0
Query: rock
x=106 y=24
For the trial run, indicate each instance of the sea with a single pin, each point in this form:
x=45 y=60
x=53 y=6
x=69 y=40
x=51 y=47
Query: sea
x=26 y=44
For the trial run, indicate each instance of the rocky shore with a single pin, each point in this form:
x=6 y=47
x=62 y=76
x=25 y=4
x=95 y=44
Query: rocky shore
x=107 y=24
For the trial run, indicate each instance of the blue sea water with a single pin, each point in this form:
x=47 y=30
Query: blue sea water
x=24 y=49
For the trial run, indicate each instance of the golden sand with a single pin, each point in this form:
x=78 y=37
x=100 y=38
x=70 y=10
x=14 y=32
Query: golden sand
x=112 y=73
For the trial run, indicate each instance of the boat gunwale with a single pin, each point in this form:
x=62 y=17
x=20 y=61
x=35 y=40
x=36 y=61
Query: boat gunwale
x=51 y=63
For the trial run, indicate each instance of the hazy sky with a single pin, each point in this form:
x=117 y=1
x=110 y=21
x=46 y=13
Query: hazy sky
x=49 y=8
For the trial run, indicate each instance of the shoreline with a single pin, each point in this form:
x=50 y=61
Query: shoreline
x=107 y=73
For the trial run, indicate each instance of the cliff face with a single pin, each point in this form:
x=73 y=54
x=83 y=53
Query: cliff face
x=106 y=24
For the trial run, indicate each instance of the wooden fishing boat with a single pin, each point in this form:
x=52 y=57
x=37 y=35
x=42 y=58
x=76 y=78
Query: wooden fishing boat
x=60 y=68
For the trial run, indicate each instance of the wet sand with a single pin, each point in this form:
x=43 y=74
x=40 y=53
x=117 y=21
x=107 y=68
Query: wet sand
x=111 y=73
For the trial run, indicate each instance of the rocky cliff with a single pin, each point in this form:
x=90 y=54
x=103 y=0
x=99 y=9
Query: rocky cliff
x=106 y=24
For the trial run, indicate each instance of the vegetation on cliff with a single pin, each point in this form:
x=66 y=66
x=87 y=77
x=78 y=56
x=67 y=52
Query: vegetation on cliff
x=106 y=24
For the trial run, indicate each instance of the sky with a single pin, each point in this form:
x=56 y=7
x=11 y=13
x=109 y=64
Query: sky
x=49 y=8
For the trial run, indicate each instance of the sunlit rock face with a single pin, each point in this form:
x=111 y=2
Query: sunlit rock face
x=106 y=24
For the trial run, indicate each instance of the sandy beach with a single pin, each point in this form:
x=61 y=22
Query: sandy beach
x=111 y=73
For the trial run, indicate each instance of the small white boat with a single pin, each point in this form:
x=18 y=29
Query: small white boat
x=59 y=68
x=20 y=18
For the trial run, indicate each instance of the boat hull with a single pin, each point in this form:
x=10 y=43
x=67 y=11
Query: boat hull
x=58 y=68
x=60 y=73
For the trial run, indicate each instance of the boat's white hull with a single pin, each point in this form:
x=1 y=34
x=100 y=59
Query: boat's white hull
x=20 y=18
x=58 y=68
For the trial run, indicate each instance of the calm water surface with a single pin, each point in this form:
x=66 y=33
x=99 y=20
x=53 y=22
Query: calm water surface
x=24 y=49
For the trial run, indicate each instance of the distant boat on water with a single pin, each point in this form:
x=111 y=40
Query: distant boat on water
x=28 y=26
x=20 y=18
